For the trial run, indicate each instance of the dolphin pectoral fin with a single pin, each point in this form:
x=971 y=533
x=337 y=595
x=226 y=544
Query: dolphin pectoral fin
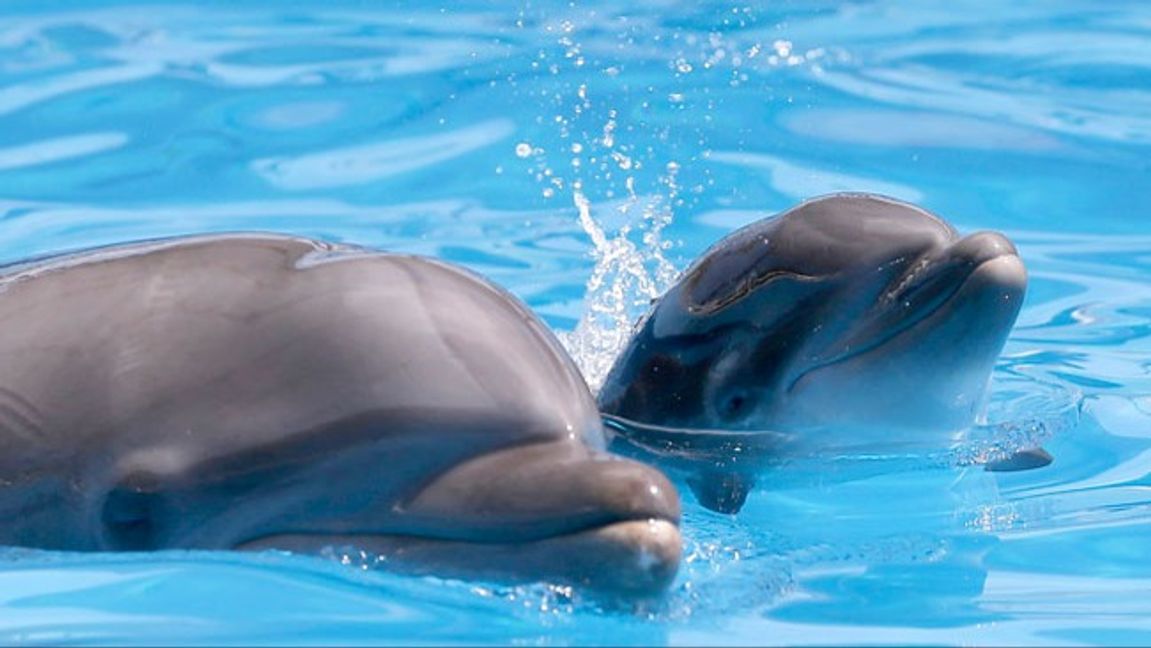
x=1022 y=460
x=722 y=491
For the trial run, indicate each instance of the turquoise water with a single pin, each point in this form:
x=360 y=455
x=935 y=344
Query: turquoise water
x=476 y=135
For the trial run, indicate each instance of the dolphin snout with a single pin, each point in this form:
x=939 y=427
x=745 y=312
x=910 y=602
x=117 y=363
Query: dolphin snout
x=995 y=271
x=552 y=511
x=980 y=247
x=935 y=280
x=631 y=490
x=558 y=510
x=542 y=490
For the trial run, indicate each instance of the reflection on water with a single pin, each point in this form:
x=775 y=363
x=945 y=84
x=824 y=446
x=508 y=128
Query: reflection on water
x=558 y=147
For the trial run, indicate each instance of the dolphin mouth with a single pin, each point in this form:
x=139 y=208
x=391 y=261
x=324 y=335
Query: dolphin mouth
x=627 y=559
x=922 y=293
x=929 y=285
x=544 y=511
x=688 y=446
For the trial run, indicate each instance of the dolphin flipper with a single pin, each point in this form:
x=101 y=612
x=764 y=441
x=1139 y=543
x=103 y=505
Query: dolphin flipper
x=1022 y=460
x=722 y=491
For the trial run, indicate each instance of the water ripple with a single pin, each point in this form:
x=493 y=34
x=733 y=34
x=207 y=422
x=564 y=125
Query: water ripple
x=553 y=144
x=59 y=148
x=373 y=162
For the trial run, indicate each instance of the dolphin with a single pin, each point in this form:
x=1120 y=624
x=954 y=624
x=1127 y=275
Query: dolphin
x=251 y=391
x=850 y=324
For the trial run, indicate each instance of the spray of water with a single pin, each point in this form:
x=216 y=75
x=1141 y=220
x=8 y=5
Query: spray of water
x=627 y=243
x=626 y=229
x=595 y=158
x=628 y=247
x=626 y=278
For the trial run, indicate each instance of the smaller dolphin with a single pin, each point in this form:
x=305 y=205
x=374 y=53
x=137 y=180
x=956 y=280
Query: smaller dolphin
x=851 y=323
x=261 y=391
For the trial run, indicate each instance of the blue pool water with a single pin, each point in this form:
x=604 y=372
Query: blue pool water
x=548 y=143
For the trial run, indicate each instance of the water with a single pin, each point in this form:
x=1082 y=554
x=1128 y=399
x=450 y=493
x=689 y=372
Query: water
x=549 y=144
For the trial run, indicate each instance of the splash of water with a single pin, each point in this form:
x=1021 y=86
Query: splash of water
x=626 y=278
x=1023 y=413
x=628 y=247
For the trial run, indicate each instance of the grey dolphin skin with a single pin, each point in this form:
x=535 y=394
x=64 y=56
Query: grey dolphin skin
x=261 y=391
x=850 y=323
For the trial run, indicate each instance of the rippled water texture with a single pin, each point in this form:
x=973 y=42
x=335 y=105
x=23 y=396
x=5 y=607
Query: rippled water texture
x=554 y=144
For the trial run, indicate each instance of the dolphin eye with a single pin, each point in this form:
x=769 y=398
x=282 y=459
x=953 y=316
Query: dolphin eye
x=735 y=405
x=128 y=516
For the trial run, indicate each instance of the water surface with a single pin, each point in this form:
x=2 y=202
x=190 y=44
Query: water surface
x=553 y=144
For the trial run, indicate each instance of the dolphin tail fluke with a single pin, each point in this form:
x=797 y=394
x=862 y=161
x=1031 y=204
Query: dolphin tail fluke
x=723 y=491
x=1022 y=460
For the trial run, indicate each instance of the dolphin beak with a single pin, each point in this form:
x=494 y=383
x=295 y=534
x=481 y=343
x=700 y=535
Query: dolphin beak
x=940 y=276
x=994 y=279
x=1000 y=273
x=923 y=361
x=555 y=512
x=552 y=511
x=541 y=490
x=982 y=246
x=979 y=278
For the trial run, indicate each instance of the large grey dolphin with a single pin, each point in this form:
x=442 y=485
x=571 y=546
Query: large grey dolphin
x=251 y=391
x=851 y=323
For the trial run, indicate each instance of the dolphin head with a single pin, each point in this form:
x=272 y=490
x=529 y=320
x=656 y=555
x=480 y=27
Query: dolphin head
x=396 y=405
x=855 y=315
